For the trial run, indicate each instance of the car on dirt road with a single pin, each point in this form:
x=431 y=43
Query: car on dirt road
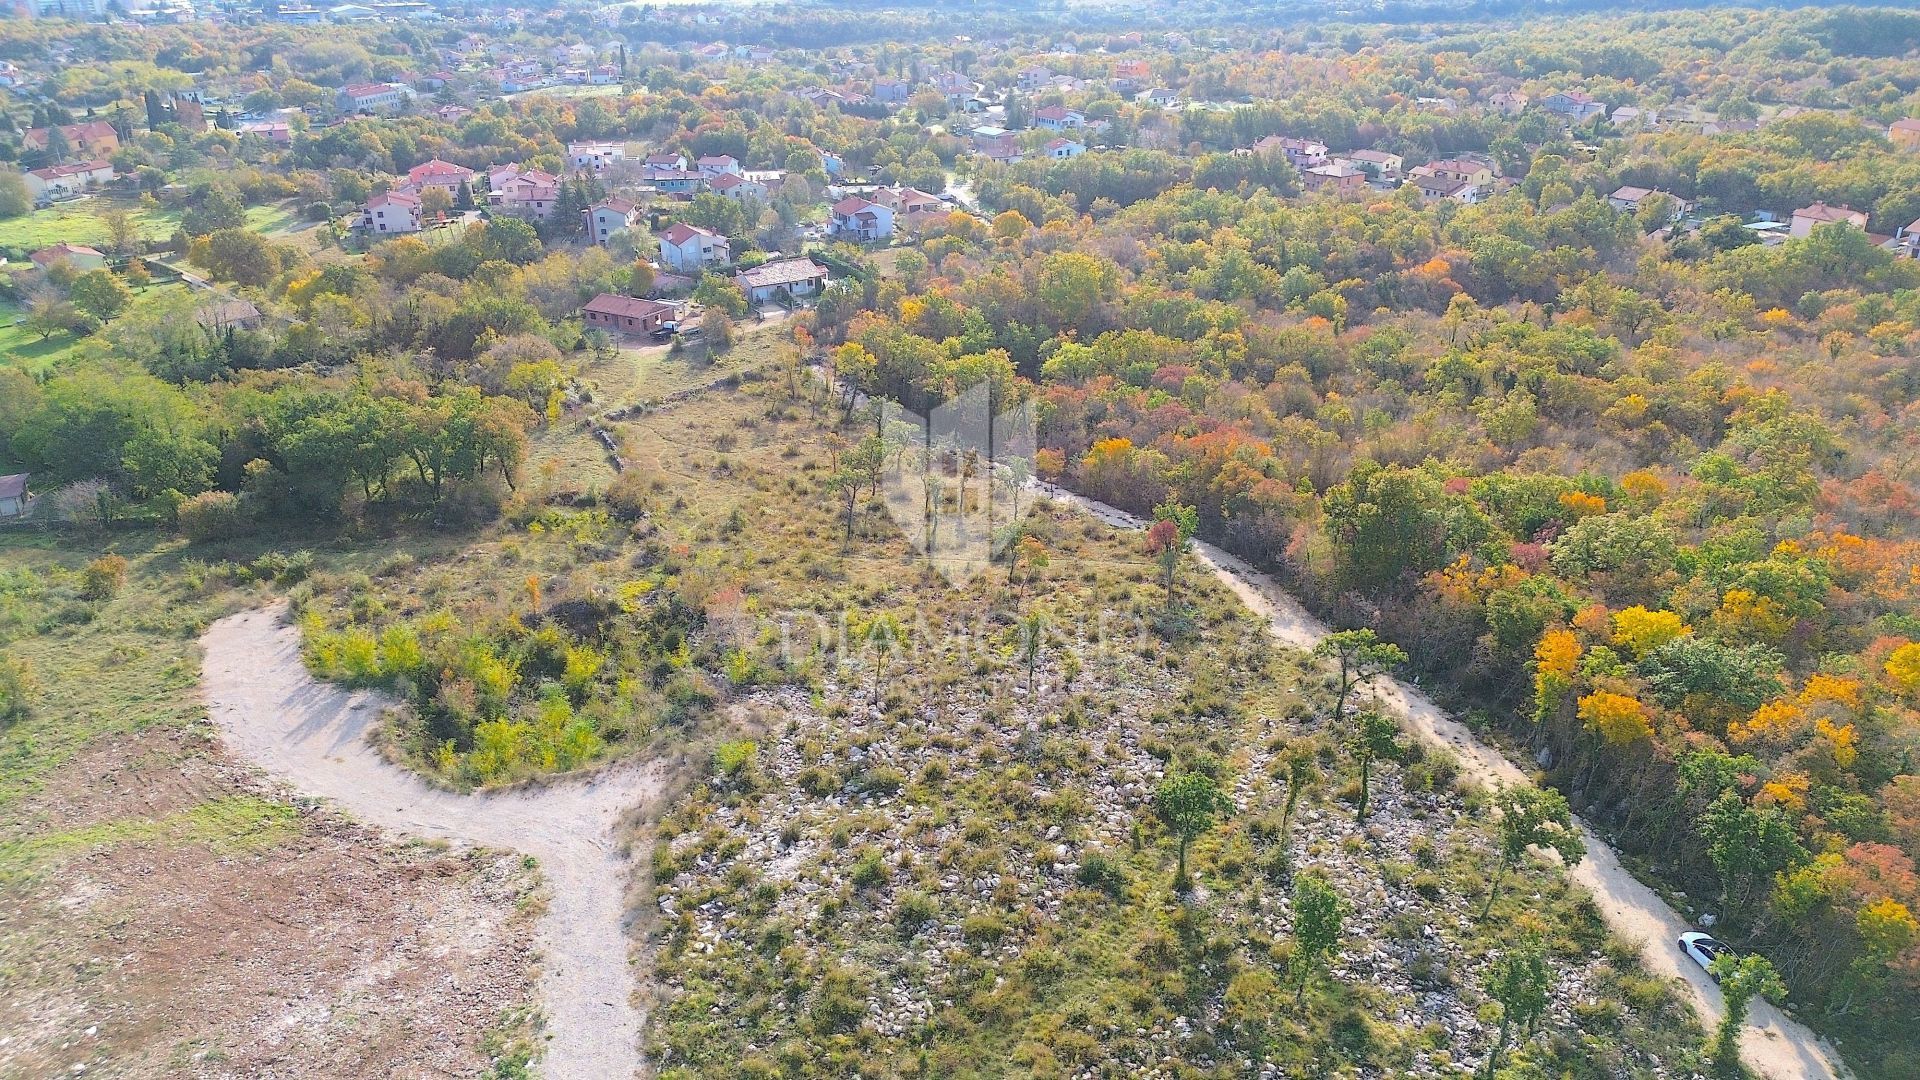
x=1703 y=949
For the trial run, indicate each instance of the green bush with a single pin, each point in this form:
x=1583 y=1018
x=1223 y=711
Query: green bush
x=213 y=515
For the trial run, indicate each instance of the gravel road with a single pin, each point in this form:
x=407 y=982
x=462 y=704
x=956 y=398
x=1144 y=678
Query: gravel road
x=314 y=736
x=1773 y=1045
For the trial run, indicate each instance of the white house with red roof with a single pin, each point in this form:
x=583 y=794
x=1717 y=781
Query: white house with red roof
x=716 y=164
x=906 y=200
x=391 y=214
x=738 y=188
x=666 y=159
x=530 y=194
x=610 y=216
x=78 y=256
x=691 y=249
x=367 y=97
x=1063 y=148
x=57 y=180
x=856 y=218
x=1059 y=118
x=444 y=175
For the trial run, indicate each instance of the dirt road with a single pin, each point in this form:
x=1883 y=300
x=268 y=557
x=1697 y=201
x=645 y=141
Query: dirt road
x=1773 y=1045
x=314 y=736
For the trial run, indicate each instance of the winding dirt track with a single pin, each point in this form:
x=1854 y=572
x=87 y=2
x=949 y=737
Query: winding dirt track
x=1773 y=1045
x=315 y=737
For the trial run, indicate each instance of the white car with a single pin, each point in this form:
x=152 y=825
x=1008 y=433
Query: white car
x=1703 y=949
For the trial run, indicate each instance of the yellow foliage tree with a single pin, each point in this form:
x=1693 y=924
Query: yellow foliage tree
x=1579 y=504
x=1641 y=484
x=1887 y=928
x=1903 y=667
x=1744 y=612
x=1774 y=720
x=1836 y=689
x=1845 y=739
x=1643 y=631
x=1617 y=718
x=1787 y=791
x=1555 y=659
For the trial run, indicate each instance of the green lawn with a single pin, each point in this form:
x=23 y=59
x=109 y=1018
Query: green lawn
x=20 y=347
x=80 y=222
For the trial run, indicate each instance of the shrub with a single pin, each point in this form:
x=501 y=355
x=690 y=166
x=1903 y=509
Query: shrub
x=103 y=578
x=870 y=869
x=1102 y=872
x=914 y=911
x=730 y=758
x=213 y=515
x=16 y=682
x=880 y=780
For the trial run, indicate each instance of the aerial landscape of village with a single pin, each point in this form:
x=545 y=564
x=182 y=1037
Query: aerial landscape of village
x=815 y=538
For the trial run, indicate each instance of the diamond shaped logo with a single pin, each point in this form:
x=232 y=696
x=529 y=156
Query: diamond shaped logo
x=955 y=481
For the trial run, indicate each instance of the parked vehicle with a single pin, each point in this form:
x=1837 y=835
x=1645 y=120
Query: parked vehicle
x=1703 y=949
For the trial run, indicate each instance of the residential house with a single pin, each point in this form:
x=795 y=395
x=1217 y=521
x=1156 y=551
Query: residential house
x=93 y=139
x=610 y=216
x=222 y=313
x=716 y=164
x=1132 y=72
x=1634 y=118
x=1905 y=134
x=669 y=181
x=955 y=87
x=595 y=155
x=391 y=213
x=13 y=495
x=1510 y=102
x=738 y=188
x=906 y=200
x=1477 y=173
x=1629 y=199
x=793 y=277
x=368 y=97
x=1058 y=118
x=444 y=175
x=1805 y=218
x=996 y=145
x=1159 y=97
x=277 y=132
x=1061 y=149
x=453 y=113
x=56 y=181
x=666 y=159
x=626 y=315
x=856 y=218
x=1907 y=241
x=1436 y=188
x=1334 y=176
x=1377 y=163
x=79 y=256
x=1034 y=78
x=1301 y=153
x=892 y=91
x=531 y=194
x=1574 y=105
x=691 y=249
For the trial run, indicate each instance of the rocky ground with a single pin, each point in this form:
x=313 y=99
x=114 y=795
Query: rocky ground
x=972 y=877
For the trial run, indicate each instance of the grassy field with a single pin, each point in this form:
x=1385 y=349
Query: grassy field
x=20 y=347
x=79 y=222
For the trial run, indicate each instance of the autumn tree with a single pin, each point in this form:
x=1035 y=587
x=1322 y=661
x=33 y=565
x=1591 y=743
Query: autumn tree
x=1169 y=537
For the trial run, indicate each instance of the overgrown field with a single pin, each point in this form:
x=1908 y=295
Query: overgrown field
x=161 y=910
